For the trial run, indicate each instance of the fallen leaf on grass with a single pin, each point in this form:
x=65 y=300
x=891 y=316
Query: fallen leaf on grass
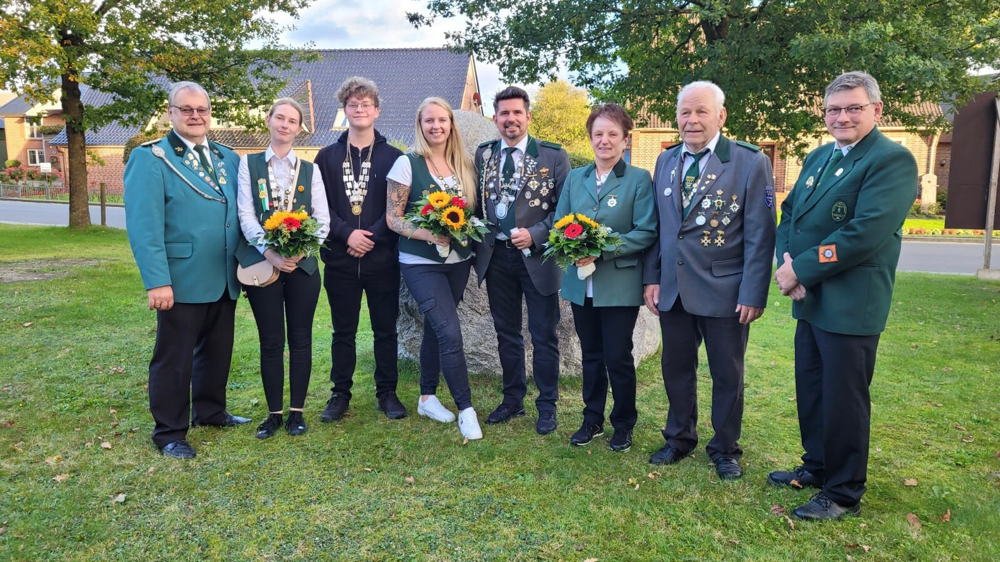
x=6 y=424
x=60 y=477
x=910 y=482
x=960 y=427
x=772 y=459
x=590 y=560
x=791 y=524
x=653 y=475
x=3 y=530
x=151 y=469
x=105 y=445
x=777 y=510
x=637 y=487
x=118 y=370
x=120 y=498
x=88 y=444
x=914 y=521
x=27 y=324
x=946 y=369
x=589 y=453
x=997 y=456
x=114 y=411
x=863 y=547
x=367 y=469
x=968 y=439
x=795 y=484
x=946 y=517
x=52 y=461
x=17 y=446
x=409 y=479
x=792 y=399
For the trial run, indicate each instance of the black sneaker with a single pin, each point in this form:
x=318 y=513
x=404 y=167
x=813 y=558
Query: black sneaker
x=504 y=413
x=295 y=424
x=797 y=478
x=621 y=440
x=822 y=508
x=586 y=433
x=390 y=404
x=335 y=408
x=269 y=427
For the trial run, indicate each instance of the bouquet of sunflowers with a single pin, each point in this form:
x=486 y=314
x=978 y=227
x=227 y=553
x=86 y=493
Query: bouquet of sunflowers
x=445 y=215
x=291 y=234
x=575 y=237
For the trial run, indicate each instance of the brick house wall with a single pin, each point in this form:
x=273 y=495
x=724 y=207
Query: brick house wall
x=18 y=142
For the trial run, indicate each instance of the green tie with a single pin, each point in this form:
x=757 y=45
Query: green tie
x=690 y=177
x=203 y=156
x=507 y=222
x=838 y=155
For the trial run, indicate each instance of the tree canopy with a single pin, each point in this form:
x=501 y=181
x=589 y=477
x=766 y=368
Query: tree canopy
x=559 y=113
x=132 y=49
x=773 y=59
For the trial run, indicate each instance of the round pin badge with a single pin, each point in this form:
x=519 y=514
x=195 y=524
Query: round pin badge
x=700 y=220
x=668 y=192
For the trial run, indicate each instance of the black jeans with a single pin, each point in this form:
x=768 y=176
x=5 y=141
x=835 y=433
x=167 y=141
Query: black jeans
x=438 y=289
x=605 y=334
x=343 y=290
x=507 y=279
x=293 y=295
x=190 y=367
x=725 y=344
x=832 y=376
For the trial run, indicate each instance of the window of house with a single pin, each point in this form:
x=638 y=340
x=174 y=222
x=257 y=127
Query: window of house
x=31 y=125
x=340 y=122
x=35 y=157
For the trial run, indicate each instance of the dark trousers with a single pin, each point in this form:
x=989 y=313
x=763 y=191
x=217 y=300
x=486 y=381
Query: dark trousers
x=190 y=367
x=293 y=297
x=507 y=280
x=344 y=289
x=438 y=289
x=725 y=344
x=832 y=376
x=605 y=334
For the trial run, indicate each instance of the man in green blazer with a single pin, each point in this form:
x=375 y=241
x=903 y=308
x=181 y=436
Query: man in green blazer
x=838 y=245
x=180 y=214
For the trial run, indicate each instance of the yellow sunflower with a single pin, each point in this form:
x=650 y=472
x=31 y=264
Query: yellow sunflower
x=453 y=217
x=275 y=220
x=439 y=199
x=563 y=222
x=584 y=219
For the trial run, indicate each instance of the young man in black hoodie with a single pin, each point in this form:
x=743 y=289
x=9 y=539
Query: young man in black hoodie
x=361 y=253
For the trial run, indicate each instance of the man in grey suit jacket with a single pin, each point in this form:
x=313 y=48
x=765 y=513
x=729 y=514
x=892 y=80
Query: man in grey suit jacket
x=707 y=276
x=520 y=179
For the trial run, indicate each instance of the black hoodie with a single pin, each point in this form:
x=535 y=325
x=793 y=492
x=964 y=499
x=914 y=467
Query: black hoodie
x=343 y=222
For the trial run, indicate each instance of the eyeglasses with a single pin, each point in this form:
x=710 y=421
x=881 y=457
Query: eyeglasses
x=367 y=106
x=189 y=111
x=852 y=110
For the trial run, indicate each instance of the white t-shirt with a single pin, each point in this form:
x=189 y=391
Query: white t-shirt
x=402 y=173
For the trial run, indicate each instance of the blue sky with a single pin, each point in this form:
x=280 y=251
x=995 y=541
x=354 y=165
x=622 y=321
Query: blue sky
x=368 y=24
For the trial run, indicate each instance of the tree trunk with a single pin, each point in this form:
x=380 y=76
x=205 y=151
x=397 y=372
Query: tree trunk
x=72 y=106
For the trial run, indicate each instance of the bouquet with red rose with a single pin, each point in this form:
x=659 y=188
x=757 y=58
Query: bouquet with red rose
x=575 y=237
x=446 y=215
x=291 y=234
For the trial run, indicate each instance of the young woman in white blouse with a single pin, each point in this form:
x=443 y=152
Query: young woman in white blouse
x=271 y=181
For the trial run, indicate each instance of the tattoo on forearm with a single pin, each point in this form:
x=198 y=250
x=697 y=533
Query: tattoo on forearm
x=395 y=208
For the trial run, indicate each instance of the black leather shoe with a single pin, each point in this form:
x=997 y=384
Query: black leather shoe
x=335 y=408
x=668 y=455
x=822 y=508
x=621 y=440
x=232 y=420
x=269 y=427
x=504 y=413
x=802 y=477
x=393 y=408
x=295 y=424
x=546 y=422
x=728 y=468
x=178 y=449
x=586 y=433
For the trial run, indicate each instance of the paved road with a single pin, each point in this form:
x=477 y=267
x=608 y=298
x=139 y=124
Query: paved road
x=962 y=258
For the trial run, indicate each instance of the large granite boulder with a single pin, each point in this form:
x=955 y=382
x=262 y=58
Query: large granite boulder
x=478 y=334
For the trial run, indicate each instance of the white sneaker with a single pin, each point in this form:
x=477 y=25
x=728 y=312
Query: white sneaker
x=435 y=410
x=468 y=424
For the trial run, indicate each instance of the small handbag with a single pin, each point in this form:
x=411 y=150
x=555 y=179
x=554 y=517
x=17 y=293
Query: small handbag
x=260 y=274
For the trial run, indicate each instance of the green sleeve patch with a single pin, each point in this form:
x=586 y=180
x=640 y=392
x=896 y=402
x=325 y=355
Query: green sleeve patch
x=548 y=144
x=745 y=144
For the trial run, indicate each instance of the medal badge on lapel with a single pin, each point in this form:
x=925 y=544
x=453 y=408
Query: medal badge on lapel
x=612 y=201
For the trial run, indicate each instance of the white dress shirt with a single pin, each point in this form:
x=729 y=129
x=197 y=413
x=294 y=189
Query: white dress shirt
x=283 y=169
x=688 y=158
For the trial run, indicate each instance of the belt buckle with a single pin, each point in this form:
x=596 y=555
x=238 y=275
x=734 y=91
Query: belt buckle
x=510 y=245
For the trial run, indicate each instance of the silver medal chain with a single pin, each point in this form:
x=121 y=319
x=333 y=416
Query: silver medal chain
x=357 y=190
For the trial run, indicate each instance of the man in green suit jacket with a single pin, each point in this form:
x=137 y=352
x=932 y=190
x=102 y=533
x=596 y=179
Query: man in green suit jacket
x=838 y=245
x=180 y=214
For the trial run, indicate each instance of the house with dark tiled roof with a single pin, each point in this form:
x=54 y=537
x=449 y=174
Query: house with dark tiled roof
x=26 y=130
x=404 y=77
x=931 y=149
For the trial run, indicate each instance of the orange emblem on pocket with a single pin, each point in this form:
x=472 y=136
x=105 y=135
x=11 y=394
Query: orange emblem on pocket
x=828 y=254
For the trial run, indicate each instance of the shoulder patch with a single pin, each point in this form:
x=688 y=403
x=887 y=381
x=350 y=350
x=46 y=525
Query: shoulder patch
x=745 y=144
x=149 y=143
x=671 y=147
x=487 y=143
x=548 y=144
x=222 y=145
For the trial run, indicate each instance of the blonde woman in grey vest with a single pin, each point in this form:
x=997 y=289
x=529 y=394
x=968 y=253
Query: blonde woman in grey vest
x=271 y=181
x=437 y=282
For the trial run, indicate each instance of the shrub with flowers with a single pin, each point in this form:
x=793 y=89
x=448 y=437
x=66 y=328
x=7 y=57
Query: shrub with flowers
x=291 y=234
x=24 y=173
x=446 y=215
x=577 y=236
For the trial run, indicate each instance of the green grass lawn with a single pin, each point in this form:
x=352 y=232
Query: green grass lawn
x=73 y=370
